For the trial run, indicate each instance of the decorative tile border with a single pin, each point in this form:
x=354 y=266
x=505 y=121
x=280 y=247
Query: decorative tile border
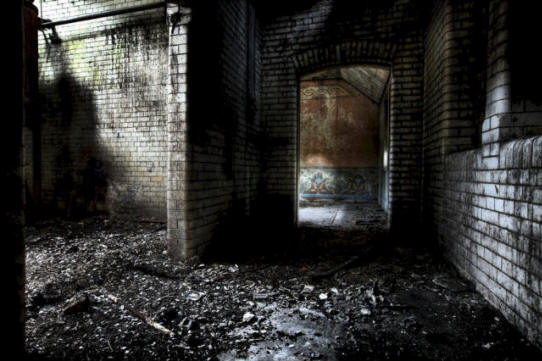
x=318 y=183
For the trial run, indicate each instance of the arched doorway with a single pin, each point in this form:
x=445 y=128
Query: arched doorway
x=343 y=147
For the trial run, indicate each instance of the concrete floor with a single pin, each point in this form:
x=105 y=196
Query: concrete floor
x=341 y=215
x=340 y=227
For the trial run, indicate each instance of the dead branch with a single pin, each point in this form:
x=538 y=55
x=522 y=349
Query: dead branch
x=151 y=271
x=141 y=316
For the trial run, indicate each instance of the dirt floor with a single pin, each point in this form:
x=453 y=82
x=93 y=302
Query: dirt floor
x=104 y=289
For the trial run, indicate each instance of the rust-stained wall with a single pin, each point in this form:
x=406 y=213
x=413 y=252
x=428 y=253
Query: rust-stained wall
x=339 y=126
x=339 y=145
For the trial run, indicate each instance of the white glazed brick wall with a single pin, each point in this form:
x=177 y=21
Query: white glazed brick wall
x=484 y=205
x=491 y=227
x=116 y=68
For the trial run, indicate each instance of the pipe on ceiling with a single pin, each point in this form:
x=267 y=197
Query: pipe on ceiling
x=50 y=24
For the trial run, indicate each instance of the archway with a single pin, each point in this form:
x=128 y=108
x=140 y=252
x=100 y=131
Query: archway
x=402 y=197
x=342 y=172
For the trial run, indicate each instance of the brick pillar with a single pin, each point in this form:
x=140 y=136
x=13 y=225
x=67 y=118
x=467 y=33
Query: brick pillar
x=499 y=98
x=178 y=19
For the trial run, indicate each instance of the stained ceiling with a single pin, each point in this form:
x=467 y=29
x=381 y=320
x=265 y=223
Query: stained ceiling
x=369 y=80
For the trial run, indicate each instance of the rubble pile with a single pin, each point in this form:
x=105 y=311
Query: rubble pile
x=103 y=289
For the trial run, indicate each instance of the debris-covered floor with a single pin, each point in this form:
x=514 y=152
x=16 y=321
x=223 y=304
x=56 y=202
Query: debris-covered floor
x=101 y=289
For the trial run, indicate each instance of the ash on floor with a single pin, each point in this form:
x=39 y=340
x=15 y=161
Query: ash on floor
x=103 y=289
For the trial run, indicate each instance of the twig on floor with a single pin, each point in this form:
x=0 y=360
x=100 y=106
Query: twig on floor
x=151 y=271
x=316 y=276
x=141 y=316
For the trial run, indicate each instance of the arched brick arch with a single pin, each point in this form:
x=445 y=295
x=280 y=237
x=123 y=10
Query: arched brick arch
x=345 y=53
x=405 y=123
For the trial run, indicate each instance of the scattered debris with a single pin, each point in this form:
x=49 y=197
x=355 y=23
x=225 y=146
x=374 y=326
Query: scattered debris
x=195 y=296
x=141 y=316
x=262 y=296
x=321 y=275
x=49 y=293
x=152 y=270
x=77 y=304
x=116 y=296
x=372 y=294
x=233 y=269
x=248 y=317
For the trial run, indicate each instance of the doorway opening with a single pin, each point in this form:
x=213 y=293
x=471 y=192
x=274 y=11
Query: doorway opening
x=343 y=149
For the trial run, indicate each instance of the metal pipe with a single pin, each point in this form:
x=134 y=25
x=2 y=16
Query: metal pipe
x=50 y=24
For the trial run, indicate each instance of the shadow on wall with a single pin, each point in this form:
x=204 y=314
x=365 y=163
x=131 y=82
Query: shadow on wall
x=225 y=142
x=74 y=180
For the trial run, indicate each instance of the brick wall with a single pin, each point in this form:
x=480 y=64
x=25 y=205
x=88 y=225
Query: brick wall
x=333 y=33
x=454 y=90
x=178 y=21
x=433 y=112
x=223 y=133
x=514 y=102
x=483 y=205
x=384 y=150
x=102 y=89
x=491 y=227
x=116 y=106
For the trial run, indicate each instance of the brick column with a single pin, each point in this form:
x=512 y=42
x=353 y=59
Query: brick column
x=178 y=19
x=499 y=100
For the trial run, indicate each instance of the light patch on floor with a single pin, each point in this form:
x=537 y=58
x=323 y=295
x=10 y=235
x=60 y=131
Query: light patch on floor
x=346 y=216
x=305 y=334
